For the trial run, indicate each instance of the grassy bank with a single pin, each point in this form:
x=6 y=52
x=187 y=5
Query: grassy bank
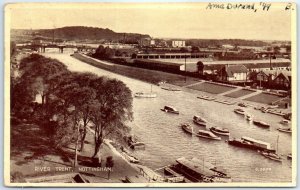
x=211 y=88
x=146 y=75
x=239 y=93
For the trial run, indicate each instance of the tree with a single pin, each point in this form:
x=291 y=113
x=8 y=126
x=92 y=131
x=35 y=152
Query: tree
x=112 y=107
x=38 y=76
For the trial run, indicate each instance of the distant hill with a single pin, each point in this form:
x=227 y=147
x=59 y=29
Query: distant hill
x=76 y=33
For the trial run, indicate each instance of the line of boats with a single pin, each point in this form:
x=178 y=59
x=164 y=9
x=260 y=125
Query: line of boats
x=264 y=148
x=264 y=124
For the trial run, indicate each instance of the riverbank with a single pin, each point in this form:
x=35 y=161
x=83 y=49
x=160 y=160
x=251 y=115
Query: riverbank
x=150 y=76
x=223 y=93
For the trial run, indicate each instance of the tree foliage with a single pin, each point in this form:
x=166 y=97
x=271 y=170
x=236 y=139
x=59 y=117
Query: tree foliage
x=70 y=101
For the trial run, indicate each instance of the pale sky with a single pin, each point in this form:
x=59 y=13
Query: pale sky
x=168 y=20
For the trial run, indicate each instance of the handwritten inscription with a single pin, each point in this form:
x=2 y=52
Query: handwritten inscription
x=243 y=6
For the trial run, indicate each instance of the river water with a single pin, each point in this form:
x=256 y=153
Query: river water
x=165 y=141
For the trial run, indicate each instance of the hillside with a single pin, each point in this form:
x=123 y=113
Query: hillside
x=75 y=33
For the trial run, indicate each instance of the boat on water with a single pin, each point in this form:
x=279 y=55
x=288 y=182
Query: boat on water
x=195 y=170
x=200 y=121
x=171 y=89
x=249 y=117
x=187 y=128
x=242 y=104
x=145 y=95
x=271 y=156
x=206 y=98
x=289 y=156
x=250 y=143
x=170 y=109
x=220 y=131
x=261 y=124
x=130 y=158
x=285 y=129
x=284 y=122
x=239 y=111
x=175 y=177
x=134 y=143
x=207 y=135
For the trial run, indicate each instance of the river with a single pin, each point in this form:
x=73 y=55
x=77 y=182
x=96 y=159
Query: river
x=165 y=140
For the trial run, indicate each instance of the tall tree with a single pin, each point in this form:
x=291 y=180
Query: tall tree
x=112 y=108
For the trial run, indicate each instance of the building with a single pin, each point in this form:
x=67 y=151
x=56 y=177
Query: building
x=147 y=42
x=283 y=80
x=211 y=67
x=178 y=43
x=232 y=73
x=172 y=55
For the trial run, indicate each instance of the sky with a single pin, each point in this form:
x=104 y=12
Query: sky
x=169 y=20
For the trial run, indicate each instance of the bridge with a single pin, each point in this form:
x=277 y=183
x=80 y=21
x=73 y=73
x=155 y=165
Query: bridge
x=60 y=46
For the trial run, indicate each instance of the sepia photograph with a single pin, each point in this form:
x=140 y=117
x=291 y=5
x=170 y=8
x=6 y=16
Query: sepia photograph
x=150 y=94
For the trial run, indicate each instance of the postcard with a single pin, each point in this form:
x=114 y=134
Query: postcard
x=150 y=94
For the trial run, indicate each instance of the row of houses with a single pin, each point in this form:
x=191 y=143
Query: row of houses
x=277 y=79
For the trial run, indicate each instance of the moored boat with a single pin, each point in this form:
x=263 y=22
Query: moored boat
x=289 y=156
x=187 y=128
x=284 y=122
x=130 y=158
x=170 y=109
x=242 y=104
x=134 y=143
x=285 y=129
x=250 y=143
x=145 y=95
x=195 y=170
x=261 y=124
x=220 y=131
x=200 y=121
x=207 y=135
x=249 y=117
x=206 y=98
x=272 y=156
x=239 y=111
x=171 y=89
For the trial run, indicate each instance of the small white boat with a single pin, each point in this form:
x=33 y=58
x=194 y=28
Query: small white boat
x=171 y=89
x=145 y=95
x=239 y=111
x=206 y=98
x=207 y=134
x=284 y=129
x=200 y=121
x=170 y=109
x=272 y=156
x=220 y=131
x=284 y=122
x=249 y=117
x=130 y=158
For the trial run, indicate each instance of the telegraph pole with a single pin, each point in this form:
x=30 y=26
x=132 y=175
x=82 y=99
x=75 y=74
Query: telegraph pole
x=185 y=67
